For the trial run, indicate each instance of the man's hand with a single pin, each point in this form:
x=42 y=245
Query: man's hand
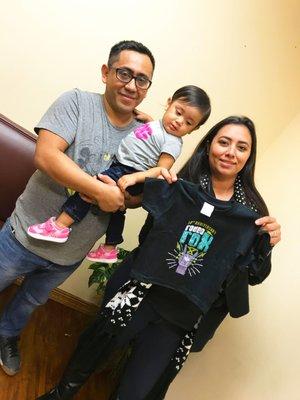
x=127 y=180
x=110 y=197
x=140 y=116
x=271 y=226
x=106 y=179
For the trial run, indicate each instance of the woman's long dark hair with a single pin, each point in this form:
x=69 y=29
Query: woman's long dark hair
x=198 y=165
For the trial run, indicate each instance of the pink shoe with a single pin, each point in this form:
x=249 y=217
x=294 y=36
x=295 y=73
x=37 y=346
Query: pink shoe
x=49 y=231
x=101 y=255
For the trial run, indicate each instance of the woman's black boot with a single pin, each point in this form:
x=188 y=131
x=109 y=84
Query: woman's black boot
x=60 y=392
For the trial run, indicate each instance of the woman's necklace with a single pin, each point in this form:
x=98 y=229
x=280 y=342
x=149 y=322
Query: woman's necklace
x=238 y=190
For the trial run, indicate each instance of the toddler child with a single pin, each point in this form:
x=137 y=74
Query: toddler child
x=141 y=154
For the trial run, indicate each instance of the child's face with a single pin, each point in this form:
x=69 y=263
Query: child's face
x=181 y=118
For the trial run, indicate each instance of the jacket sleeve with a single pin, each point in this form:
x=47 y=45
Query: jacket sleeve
x=260 y=267
x=210 y=323
x=253 y=270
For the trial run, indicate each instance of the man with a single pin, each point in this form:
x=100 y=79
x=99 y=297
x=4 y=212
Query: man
x=78 y=137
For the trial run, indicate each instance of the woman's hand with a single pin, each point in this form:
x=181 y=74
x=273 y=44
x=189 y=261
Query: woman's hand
x=271 y=226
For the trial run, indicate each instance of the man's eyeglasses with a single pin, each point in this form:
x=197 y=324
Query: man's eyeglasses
x=125 y=75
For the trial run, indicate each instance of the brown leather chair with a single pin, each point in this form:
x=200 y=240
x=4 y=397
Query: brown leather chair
x=17 y=147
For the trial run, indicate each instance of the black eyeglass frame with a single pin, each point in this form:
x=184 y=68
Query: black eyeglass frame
x=135 y=77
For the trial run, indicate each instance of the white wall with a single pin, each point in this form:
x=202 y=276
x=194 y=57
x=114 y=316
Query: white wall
x=246 y=55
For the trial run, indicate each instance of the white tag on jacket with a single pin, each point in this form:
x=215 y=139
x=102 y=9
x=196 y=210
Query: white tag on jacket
x=207 y=209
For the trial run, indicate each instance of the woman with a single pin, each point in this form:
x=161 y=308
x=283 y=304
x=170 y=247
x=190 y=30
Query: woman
x=194 y=266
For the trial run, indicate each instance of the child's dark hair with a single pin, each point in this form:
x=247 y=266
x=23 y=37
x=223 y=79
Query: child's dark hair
x=128 y=45
x=195 y=97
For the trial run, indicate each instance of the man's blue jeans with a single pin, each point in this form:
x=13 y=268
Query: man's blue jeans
x=40 y=277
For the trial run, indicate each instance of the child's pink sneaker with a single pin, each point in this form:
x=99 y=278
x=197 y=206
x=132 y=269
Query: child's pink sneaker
x=49 y=231
x=102 y=255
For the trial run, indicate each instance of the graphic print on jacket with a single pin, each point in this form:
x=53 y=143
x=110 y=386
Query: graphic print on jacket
x=191 y=248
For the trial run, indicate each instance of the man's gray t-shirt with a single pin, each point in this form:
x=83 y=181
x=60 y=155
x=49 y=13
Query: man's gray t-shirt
x=80 y=119
x=142 y=148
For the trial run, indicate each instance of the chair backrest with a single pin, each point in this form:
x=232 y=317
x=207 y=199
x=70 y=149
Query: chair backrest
x=17 y=147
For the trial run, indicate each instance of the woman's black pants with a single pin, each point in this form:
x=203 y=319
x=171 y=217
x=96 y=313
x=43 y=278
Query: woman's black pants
x=154 y=342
